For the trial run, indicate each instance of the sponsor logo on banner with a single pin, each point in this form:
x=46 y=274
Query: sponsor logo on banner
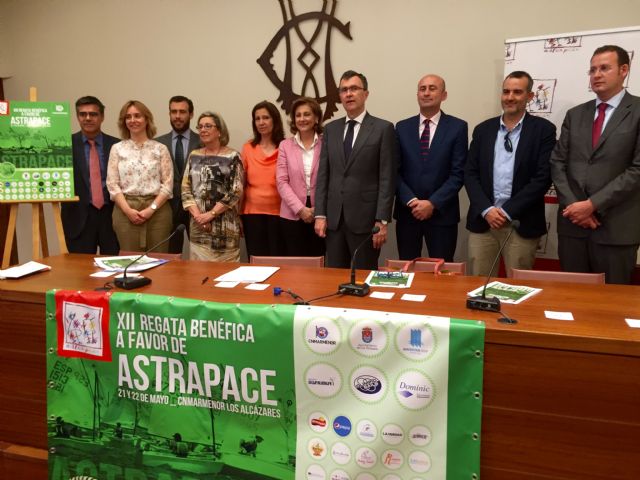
x=366 y=457
x=317 y=448
x=419 y=462
x=392 y=434
x=322 y=335
x=368 y=384
x=4 y=108
x=341 y=453
x=414 y=390
x=342 y=426
x=392 y=459
x=323 y=380
x=318 y=422
x=420 y=435
x=316 y=472
x=340 y=475
x=416 y=342
x=367 y=334
x=368 y=338
x=366 y=431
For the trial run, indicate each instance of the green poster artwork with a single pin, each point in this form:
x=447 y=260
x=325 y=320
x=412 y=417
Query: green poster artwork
x=35 y=151
x=147 y=387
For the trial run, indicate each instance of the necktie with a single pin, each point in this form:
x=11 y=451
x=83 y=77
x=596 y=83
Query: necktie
x=348 y=139
x=179 y=155
x=95 y=177
x=424 y=140
x=597 y=125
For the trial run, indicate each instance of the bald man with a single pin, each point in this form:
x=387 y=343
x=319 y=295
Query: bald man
x=433 y=151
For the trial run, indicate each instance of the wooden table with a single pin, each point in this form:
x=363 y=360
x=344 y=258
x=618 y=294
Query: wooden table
x=561 y=398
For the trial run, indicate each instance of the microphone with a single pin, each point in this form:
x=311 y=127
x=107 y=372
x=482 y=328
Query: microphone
x=481 y=302
x=353 y=288
x=137 y=282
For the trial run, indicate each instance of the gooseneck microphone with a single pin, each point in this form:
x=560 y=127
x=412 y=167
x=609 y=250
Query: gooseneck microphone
x=137 y=282
x=353 y=288
x=492 y=304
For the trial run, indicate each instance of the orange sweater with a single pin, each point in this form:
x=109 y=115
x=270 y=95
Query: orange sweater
x=260 y=191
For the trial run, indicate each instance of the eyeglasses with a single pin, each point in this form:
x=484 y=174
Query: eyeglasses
x=351 y=89
x=604 y=69
x=88 y=114
x=206 y=126
x=508 y=146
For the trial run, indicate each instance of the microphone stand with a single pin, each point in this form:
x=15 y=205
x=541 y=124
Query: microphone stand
x=127 y=283
x=492 y=304
x=353 y=288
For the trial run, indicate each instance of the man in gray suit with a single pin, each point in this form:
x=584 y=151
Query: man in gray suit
x=596 y=170
x=180 y=141
x=356 y=179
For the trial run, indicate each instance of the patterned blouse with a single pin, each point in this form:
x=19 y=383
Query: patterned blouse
x=140 y=170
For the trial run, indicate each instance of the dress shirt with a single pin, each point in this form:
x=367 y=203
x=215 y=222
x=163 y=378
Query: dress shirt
x=613 y=103
x=307 y=159
x=186 y=138
x=356 y=127
x=433 y=125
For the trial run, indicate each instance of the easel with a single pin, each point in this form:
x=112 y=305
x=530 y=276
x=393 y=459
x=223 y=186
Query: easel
x=39 y=231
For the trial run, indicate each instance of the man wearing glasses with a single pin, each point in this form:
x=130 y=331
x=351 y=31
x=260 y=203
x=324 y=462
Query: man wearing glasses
x=506 y=177
x=356 y=180
x=596 y=170
x=180 y=141
x=87 y=223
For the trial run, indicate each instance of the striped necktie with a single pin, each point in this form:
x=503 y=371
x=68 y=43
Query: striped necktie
x=425 y=138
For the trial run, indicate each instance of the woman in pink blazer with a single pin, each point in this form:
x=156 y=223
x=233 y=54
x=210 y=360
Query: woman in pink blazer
x=296 y=173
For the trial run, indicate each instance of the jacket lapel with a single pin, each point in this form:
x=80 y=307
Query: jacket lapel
x=618 y=116
x=363 y=134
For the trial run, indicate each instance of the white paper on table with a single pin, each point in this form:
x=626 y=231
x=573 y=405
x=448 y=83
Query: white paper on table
x=103 y=274
x=632 y=322
x=119 y=263
x=226 y=284
x=413 y=298
x=129 y=275
x=248 y=274
x=23 y=270
x=257 y=286
x=382 y=295
x=558 y=315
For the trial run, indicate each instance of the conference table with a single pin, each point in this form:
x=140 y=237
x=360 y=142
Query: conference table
x=561 y=398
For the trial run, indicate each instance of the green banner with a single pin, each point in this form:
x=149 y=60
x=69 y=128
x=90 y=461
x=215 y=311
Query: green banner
x=144 y=387
x=36 y=161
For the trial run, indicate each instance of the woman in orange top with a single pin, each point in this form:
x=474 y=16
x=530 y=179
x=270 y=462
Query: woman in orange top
x=261 y=207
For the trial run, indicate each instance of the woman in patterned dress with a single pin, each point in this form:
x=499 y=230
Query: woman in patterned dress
x=211 y=192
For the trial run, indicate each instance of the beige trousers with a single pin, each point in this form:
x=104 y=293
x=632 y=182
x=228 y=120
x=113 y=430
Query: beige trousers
x=138 y=238
x=482 y=249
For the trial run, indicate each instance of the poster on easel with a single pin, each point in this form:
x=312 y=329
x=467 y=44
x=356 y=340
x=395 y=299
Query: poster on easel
x=36 y=162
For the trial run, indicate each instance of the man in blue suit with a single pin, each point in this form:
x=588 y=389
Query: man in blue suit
x=87 y=223
x=506 y=177
x=433 y=151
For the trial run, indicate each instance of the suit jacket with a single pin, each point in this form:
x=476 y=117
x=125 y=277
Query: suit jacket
x=178 y=173
x=531 y=175
x=74 y=214
x=290 y=177
x=609 y=174
x=440 y=178
x=362 y=188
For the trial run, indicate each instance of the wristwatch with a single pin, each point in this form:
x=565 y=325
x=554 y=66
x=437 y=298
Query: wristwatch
x=213 y=212
x=383 y=222
x=154 y=207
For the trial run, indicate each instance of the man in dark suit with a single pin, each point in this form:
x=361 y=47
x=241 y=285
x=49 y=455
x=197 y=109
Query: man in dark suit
x=506 y=177
x=596 y=170
x=433 y=151
x=180 y=141
x=356 y=179
x=87 y=223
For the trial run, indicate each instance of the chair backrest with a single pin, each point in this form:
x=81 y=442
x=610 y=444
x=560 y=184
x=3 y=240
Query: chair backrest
x=591 y=278
x=164 y=256
x=426 y=266
x=279 y=261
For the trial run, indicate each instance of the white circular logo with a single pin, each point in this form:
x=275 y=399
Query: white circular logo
x=366 y=457
x=322 y=335
x=323 y=380
x=392 y=434
x=416 y=341
x=365 y=476
x=318 y=422
x=368 y=384
x=420 y=435
x=316 y=472
x=366 y=431
x=368 y=338
x=419 y=462
x=392 y=459
x=316 y=448
x=341 y=453
x=391 y=476
x=340 y=475
x=414 y=390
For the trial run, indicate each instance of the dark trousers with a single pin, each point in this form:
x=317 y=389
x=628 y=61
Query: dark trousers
x=440 y=239
x=262 y=235
x=180 y=217
x=97 y=233
x=300 y=239
x=582 y=255
x=341 y=245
